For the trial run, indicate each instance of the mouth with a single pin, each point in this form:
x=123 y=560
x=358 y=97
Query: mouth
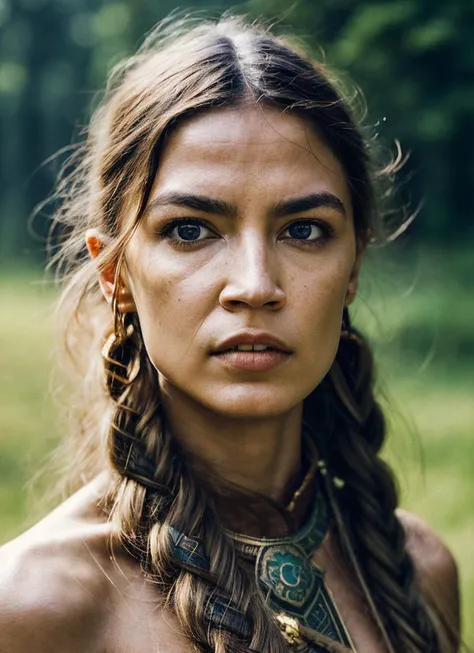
x=252 y=341
x=248 y=348
x=252 y=352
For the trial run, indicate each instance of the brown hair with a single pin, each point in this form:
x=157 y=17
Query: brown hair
x=184 y=68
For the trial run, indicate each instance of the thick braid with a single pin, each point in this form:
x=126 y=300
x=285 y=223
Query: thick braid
x=147 y=502
x=373 y=534
x=174 y=499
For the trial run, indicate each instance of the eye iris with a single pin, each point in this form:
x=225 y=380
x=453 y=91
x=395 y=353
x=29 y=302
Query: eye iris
x=189 y=231
x=300 y=231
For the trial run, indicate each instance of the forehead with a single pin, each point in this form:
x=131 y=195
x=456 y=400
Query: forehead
x=232 y=150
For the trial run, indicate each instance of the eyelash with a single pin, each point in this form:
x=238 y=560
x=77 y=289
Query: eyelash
x=168 y=228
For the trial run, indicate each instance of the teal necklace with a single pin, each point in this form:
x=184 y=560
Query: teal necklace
x=292 y=584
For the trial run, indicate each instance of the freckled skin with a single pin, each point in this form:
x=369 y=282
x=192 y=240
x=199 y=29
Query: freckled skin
x=60 y=589
x=248 y=277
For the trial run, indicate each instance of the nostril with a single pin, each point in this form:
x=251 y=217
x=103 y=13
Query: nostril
x=256 y=292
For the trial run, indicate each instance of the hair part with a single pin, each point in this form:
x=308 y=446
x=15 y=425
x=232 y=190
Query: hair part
x=182 y=69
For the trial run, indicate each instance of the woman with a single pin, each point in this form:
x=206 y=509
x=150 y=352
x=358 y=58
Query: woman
x=226 y=198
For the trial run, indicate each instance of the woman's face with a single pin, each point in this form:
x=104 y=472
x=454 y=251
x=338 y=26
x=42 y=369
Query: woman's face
x=248 y=240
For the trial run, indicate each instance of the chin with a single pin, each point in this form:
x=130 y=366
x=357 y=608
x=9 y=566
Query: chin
x=251 y=402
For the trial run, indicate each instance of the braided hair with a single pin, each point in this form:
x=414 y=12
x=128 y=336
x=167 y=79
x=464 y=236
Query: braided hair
x=180 y=70
x=371 y=535
x=156 y=494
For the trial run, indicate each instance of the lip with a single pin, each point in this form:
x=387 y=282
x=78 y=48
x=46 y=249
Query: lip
x=252 y=361
x=250 y=337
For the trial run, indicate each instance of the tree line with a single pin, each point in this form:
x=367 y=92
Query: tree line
x=413 y=60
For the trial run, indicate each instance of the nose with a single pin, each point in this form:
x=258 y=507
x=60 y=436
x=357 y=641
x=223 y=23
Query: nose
x=252 y=279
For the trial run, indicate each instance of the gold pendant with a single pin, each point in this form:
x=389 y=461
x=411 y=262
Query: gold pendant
x=291 y=631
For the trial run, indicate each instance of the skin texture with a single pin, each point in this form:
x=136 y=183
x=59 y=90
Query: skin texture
x=60 y=590
x=245 y=273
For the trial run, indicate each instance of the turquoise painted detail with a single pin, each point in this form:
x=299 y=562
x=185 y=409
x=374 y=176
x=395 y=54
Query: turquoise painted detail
x=290 y=581
x=286 y=571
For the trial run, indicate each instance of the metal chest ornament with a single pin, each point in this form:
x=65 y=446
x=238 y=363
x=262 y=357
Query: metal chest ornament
x=292 y=585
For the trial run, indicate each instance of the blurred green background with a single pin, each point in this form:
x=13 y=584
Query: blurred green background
x=414 y=61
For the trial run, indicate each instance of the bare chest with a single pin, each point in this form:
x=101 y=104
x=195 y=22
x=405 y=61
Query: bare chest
x=140 y=624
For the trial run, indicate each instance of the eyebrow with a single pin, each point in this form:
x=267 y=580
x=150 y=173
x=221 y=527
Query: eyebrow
x=308 y=202
x=220 y=207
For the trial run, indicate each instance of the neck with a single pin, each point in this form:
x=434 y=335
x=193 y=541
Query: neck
x=259 y=455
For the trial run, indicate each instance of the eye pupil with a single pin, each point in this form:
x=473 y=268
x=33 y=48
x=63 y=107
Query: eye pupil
x=300 y=231
x=189 y=231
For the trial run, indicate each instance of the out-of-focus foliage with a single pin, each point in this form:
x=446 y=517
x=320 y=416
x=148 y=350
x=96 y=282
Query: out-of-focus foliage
x=414 y=61
x=54 y=58
x=412 y=58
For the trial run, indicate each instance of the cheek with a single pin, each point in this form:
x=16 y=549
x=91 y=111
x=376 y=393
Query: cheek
x=173 y=302
x=322 y=290
x=319 y=305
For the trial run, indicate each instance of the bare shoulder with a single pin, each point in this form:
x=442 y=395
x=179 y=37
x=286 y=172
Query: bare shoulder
x=429 y=552
x=435 y=567
x=52 y=582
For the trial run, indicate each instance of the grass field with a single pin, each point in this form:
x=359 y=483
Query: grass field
x=419 y=316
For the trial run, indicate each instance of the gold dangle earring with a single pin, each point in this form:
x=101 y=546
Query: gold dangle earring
x=121 y=366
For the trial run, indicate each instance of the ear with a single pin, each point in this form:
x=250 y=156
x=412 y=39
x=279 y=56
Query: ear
x=354 y=278
x=96 y=242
